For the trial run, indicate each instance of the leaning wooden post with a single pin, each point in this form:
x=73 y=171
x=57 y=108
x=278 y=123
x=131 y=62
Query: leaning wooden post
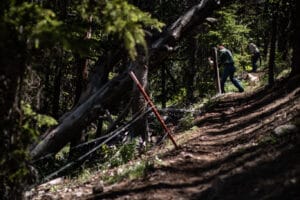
x=154 y=109
x=217 y=72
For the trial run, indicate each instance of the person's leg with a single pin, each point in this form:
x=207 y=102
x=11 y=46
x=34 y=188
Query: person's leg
x=253 y=63
x=235 y=82
x=224 y=78
x=256 y=57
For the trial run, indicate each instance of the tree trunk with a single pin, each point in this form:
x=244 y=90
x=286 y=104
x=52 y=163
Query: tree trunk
x=46 y=91
x=12 y=69
x=163 y=88
x=57 y=87
x=99 y=77
x=296 y=44
x=81 y=77
x=82 y=81
x=284 y=30
x=191 y=69
x=273 y=47
x=266 y=35
x=81 y=86
x=139 y=104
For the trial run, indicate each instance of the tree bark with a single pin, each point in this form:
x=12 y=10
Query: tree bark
x=82 y=80
x=57 y=87
x=12 y=70
x=82 y=116
x=283 y=33
x=139 y=104
x=163 y=88
x=266 y=40
x=191 y=69
x=99 y=77
x=273 y=46
x=296 y=44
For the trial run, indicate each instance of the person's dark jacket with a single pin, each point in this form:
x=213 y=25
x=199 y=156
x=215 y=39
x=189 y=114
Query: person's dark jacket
x=225 y=57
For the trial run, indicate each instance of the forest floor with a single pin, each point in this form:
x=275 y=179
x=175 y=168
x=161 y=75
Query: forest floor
x=244 y=146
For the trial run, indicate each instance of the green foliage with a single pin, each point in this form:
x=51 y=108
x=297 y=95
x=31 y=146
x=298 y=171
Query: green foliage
x=178 y=98
x=229 y=31
x=186 y=122
x=137 y=170
x=242 y=61
x=128 y=151
x=283 y=73
x=229 y=87
x=63 y=153
x=33 y=121
x=282 y=68
x=156 y=127
x=269 y=139
x=15 y=171
x=117 y=155
x=106 y=151
x=33 y=23
x=84 y=175
x=208 y=103
x=128 y=22
x=124 y=154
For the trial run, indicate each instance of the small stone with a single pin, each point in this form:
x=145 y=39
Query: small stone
x=188 y=156
x=67 y=196
x=99 y=188
x=293 y=180
x=52 y=182
x=28 y=194
x=286 y=129
x=78 y=193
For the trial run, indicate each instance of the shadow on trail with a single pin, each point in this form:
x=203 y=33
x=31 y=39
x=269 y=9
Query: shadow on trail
x=246 y=130
x=276 y=179
x=266 y=170
x=280 y=89
x=222 y=118
x=256 y=119
x=222 y=175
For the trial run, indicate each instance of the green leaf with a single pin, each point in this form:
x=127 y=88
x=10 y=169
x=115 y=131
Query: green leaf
x=128 y=22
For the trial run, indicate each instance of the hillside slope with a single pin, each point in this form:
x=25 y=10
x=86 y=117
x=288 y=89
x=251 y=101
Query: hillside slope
x=245 y=146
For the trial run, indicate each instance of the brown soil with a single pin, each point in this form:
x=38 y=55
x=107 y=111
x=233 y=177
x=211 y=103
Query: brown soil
x=233 y=154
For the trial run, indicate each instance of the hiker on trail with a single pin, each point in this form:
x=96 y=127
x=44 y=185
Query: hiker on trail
x=255 y=55
x=226 y=60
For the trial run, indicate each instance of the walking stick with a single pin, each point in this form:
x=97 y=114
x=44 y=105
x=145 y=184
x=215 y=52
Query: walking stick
x=217 y=72
x=147 y=98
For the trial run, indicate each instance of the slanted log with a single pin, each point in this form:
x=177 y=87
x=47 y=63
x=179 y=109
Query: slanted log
x=82 y=115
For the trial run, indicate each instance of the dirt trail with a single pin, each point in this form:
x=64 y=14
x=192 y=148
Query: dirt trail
x=234 y=154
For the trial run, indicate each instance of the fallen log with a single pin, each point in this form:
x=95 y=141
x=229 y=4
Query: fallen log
x=81 y=116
